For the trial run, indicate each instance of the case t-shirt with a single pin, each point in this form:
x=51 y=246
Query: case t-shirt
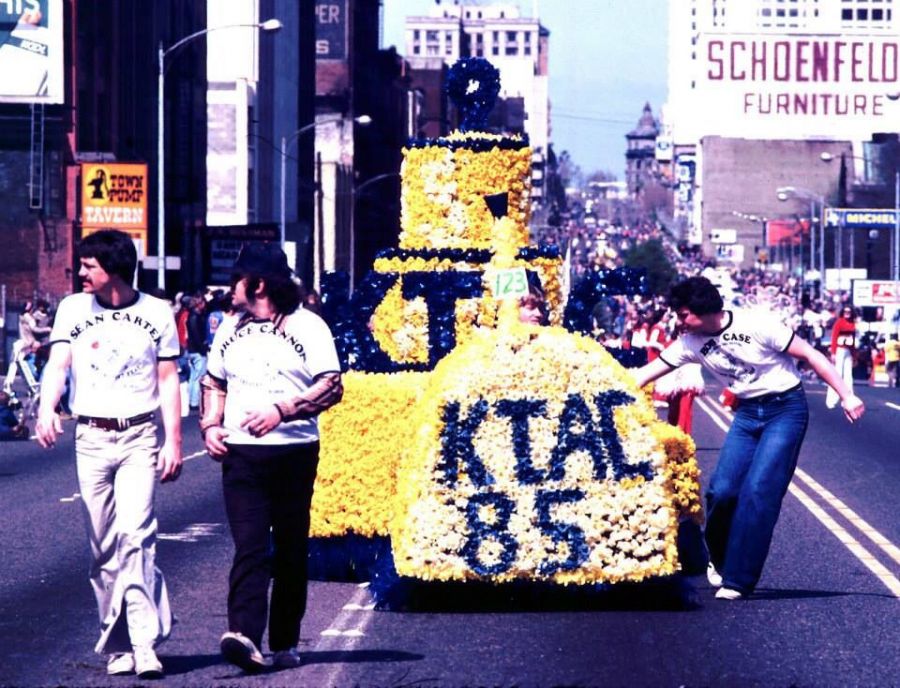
x=115 y=351
x=749 y=355
x=262 y=364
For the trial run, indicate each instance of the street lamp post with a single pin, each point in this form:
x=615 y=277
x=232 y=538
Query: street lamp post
x=786 y=192
x=286 y=142
x=356 y=191
x=268 y=25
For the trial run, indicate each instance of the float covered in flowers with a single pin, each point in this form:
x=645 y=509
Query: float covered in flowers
x=480 y=447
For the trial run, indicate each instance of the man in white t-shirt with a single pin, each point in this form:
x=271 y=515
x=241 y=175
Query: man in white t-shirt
x=753 y=353
x=120 y=347
x=271 y=370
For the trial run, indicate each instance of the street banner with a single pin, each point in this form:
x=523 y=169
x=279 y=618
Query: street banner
x=785 y=232
x=876 y=293
x=114 y=196
x=31 y=51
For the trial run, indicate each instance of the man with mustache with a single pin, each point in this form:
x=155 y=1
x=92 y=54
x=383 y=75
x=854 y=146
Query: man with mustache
x=121 y=348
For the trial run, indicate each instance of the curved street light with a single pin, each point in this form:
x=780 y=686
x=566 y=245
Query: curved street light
x=267 y=25
x=286 y=142
x=356 y=194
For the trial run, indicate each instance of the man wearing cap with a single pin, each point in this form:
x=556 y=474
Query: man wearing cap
x=272 y=369
x=121 y=348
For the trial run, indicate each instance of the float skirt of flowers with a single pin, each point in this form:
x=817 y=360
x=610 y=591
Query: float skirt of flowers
x=535 y=457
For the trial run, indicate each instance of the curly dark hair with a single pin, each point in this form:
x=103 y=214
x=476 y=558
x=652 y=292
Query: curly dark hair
x=697 y=294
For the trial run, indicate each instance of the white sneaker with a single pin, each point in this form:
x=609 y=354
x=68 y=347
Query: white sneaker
x=713 y=576
x=287 y=659
x=239 y=650
x=729 y=594
x=120 y=664
x=146 y=663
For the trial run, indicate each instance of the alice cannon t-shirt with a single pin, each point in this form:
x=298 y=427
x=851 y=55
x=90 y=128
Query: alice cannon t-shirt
x=115 y=350
x=263 y=364
x=749 y=354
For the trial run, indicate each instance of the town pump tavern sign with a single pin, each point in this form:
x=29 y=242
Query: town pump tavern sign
x=114 y=196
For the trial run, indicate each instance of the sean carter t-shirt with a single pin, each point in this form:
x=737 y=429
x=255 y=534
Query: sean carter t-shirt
x=115 y=350
x=749 y=354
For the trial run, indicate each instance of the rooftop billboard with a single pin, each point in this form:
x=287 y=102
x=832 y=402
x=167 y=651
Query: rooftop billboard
x=31 y=51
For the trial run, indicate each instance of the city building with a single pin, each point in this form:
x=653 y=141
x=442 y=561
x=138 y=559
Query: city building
x=641 y=167
x=761 y=94
x=516 y=45
x=99 y=109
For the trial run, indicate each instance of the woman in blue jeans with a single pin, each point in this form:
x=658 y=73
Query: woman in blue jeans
x=754 y=354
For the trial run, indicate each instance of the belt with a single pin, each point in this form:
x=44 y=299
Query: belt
x=116 y=423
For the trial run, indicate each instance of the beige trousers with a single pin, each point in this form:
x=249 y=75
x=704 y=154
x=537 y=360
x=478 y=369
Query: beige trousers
x=117 y=480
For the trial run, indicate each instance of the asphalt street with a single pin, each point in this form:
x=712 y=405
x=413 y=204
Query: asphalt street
x=827 y=611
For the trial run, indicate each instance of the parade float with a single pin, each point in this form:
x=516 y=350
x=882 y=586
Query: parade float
x=470 y=446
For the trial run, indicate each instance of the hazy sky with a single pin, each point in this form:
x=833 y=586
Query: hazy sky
x=607 y=58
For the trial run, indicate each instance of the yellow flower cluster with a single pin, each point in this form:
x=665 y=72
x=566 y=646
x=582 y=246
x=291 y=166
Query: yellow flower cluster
x=362 y=438
x=443 y=190
x=628 y=525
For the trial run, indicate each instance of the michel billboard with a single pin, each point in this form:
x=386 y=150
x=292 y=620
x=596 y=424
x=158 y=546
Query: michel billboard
x=31 y=51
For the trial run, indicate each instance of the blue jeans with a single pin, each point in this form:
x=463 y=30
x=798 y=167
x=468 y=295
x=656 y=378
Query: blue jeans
x=746 y=489
x=197 y=363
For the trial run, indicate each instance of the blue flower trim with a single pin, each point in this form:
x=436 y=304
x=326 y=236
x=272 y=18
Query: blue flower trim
x=456 y=255
x=473 y=84
x=598 y=285
x=484 y=145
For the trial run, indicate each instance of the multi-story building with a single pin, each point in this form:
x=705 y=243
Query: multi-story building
x=804 y=80
x=516 y=45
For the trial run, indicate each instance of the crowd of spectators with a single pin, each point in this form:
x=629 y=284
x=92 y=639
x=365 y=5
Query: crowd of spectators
x=809 y=309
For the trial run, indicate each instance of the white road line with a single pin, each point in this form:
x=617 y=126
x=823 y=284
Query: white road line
x=359 y=601
x=707 y=406
x=896 y=407
x=860 y=552
x=75 y=496
x=353 y=607
x=891 y=550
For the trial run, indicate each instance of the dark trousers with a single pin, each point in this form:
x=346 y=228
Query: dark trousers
x=269 y=489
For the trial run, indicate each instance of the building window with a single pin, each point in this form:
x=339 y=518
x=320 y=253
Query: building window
x=512 y=49
x=416 y=34
x=431 y=35
x=416 y=50
x=495 y=50
x=511 y=36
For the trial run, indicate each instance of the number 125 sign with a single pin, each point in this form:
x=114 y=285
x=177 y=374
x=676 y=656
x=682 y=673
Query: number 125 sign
x=508 y=284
